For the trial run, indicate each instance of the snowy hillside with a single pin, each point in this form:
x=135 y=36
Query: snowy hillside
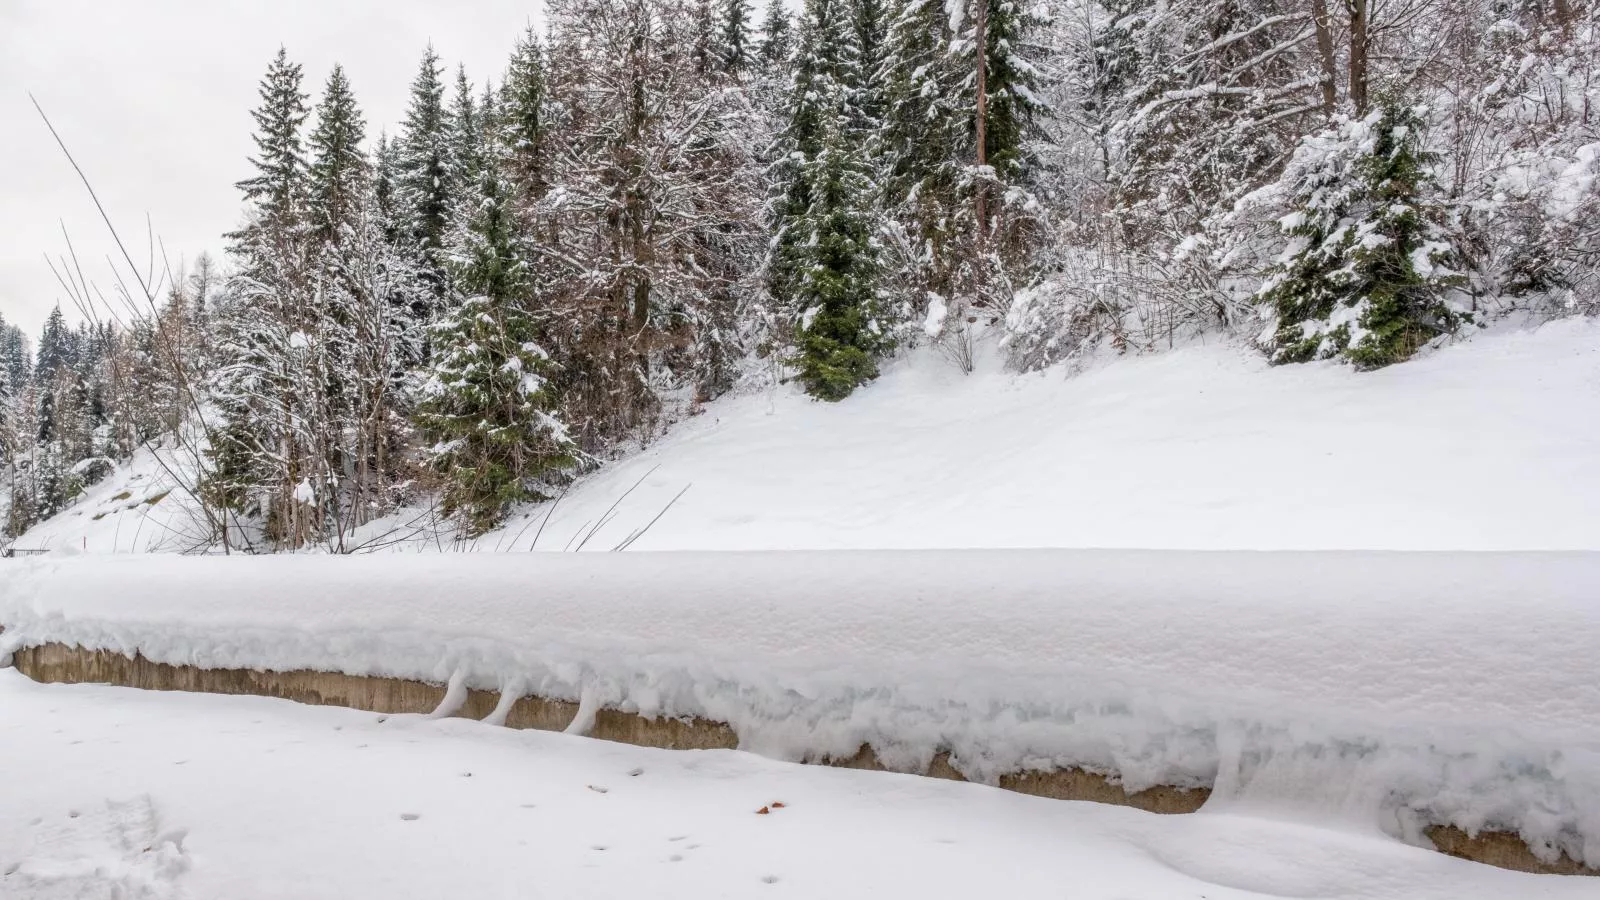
x=1486 y=444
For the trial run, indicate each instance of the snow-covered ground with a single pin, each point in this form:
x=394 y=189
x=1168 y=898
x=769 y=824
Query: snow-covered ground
x=112 y=793
x=1394 y=689
x=1489 y=444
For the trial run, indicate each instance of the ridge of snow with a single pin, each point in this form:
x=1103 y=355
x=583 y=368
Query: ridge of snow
x=1390 y=689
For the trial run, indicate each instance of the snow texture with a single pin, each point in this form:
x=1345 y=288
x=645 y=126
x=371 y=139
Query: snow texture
x=113 y=793
x=1385 y=689
x=1487 y=444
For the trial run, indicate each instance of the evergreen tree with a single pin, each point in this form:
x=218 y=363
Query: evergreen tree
x=825 y=86
x=1365 y=274
x=465 y=127
x=57 y=348
x=339 y=169
x=831 y=244
x=707 y=50
x=523 y=120
x=15 y=356
x=1012 y=83
x=487 y=404
x=775 y=36
x=423 y=177
x=276 y=192
x=735 y=47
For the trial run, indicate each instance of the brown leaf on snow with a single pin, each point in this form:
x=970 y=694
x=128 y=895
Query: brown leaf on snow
x=778 y=804
x=763 y=811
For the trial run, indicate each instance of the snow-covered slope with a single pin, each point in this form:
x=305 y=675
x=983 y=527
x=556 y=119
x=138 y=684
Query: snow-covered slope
x=1491 y=443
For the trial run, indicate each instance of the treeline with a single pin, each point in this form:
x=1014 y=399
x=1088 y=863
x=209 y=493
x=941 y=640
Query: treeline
x=659 y=199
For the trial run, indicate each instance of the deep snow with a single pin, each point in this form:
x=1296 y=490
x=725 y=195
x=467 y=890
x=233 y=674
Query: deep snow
x=1390 y=689
x=1488 y=444
x=116 y=793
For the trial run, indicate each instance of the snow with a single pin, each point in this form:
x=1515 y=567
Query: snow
x=1486 y=444
x=1333 y=686
x=113 y=793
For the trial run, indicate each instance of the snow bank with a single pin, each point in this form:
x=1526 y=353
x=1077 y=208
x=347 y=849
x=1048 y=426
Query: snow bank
x=1376 y=688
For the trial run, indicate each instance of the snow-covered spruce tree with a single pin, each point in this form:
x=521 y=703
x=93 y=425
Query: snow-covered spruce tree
x=487 y=404
x=735 y=50
x=522 y=121
x=56 y=348
x=272 y=388
x=835 y=297
x=425 y=180
x=921 y=145
x=15 y=356
x=339 y=170
x=775 y=36
x=378 y=285
x=275 y=195
x=1365 y=275
x=464 y=125
x=824 y=93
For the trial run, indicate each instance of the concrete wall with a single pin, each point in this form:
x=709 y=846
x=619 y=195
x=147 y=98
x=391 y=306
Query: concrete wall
x=57 y=663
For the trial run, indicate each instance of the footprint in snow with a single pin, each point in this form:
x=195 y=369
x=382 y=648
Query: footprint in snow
x=410 y=817
x=118 y=850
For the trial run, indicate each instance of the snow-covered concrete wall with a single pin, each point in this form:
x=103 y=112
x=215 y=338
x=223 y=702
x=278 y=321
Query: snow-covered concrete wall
x=1396 y=689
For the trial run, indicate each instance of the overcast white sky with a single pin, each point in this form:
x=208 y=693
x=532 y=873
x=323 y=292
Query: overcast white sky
x=154 y=99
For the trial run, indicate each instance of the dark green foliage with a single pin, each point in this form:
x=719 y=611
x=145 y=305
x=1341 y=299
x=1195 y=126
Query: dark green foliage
x=57 y=348
x=775 y=36
x=277 y=191
x=832 y=247
x=339 y=170
x=522 y=120
x=423 y=175
x=1366 y=276
x=487 y=404
x=735 y=42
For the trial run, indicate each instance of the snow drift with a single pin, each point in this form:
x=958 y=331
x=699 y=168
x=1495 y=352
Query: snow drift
x=1386 y=689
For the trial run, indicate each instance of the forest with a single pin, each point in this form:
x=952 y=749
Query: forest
x=659 y=202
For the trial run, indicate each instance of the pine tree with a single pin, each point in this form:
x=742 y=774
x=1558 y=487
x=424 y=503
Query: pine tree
x=339 y=169
x=825 y=84
x=57 y=349
x=735 y=42
x=1365 y=275
x=487 y=404
x=775 y=36
x=423 y=177
x=15 y=356
x=464 y=124
x=523 y=121
x=276 y=193
x=830 y=245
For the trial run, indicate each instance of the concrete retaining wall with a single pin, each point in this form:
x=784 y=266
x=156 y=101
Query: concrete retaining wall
x=58 y=663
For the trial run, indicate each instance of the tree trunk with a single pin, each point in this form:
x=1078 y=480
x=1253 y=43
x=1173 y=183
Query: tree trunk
x=1330 y=75
x=980 y=27
x=1358 y=54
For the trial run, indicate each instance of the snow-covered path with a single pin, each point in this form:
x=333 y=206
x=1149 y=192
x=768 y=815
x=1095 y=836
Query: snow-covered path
x=107 y=792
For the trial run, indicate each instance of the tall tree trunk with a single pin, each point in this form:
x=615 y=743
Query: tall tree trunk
x=1358 y=54
x=980 y=27
x=1323 y=24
